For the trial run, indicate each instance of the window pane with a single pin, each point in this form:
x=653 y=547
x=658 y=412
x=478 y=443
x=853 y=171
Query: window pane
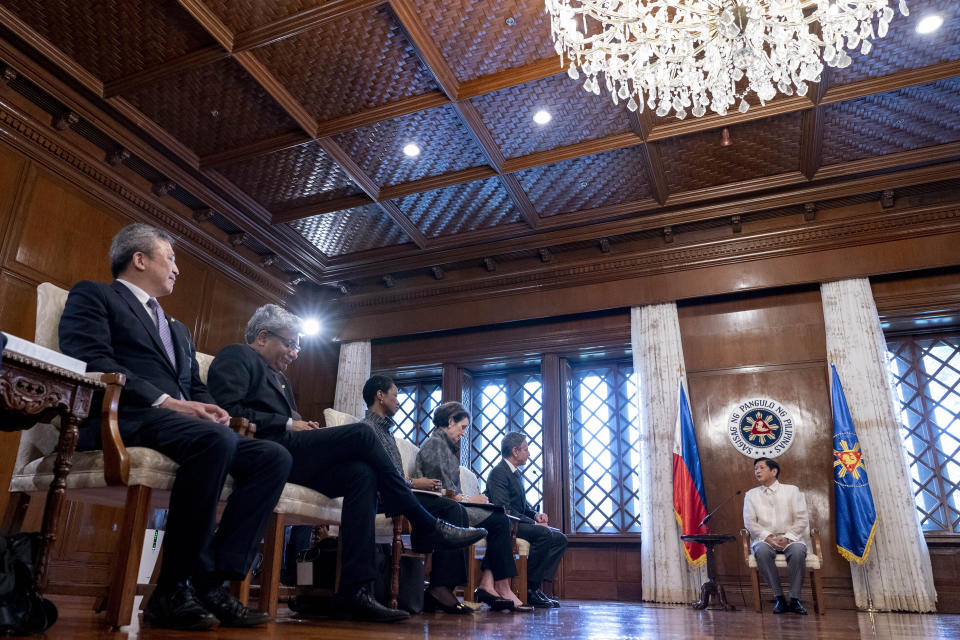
x=925 y=372
x=604 y=455
x=417 y=399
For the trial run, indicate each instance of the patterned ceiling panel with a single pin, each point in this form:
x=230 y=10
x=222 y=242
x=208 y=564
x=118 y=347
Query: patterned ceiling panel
x=243 y=15
x=113 y=38
x=594 y=181
x=576 y=115
x=445 y=145
x=213 y=108
x=911 y=118
x=462 y=207
x=476 y=39
x=294 y=177
x=903 y=48
x=350 y=230
x=344 y=66
x=760 y=148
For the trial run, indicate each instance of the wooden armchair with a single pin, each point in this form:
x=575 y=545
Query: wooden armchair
x=135 y=478
x=814 y=562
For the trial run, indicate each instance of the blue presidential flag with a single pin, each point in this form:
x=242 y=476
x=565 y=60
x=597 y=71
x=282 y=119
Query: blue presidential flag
x=856 y=517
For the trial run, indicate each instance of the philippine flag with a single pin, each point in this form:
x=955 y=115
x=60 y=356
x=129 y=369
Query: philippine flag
x=689 y=504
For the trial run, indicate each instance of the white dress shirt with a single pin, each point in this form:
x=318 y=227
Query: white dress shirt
x=143 y=297
x=777 y=510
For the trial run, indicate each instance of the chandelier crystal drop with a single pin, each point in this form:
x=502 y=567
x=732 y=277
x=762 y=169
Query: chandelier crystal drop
x=685 y=56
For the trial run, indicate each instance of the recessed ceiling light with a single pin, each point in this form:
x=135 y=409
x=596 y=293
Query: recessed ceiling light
x=929 y=24
x=542 y=117
x=411 y=150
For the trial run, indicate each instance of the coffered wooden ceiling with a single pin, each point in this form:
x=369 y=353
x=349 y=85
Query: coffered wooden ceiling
x=295 y=112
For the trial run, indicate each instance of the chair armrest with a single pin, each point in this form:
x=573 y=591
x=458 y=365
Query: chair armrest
x=815 y=537
x=745 y=541
x=243 y=426
x=116 y=460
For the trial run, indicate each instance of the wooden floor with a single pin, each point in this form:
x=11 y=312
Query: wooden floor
x=595 y=620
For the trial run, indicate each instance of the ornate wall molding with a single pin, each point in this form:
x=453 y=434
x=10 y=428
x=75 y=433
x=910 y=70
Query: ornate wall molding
x=42 y=146
x=834 y=234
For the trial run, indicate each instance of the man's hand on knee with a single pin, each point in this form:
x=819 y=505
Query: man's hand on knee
x=199 y=410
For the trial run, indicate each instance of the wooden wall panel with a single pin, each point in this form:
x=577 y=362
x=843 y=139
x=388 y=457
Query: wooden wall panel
x=231 y=305
x=188 y=301
x=11 y=166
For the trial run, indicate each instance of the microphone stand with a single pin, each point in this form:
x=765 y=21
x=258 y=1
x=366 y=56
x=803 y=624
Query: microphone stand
x=710 y=515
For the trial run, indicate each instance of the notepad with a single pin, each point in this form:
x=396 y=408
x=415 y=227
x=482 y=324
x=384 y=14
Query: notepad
x=43 y=354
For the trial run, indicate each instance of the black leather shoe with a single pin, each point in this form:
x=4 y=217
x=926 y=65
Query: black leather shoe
x=178 y=608
x=231 y=611
x=553 y=603
x=536 y=598
x=781 y=606
x=447 y=536
x=493 y=601
x=362 y=606
x=796 y=607
x=432 y=604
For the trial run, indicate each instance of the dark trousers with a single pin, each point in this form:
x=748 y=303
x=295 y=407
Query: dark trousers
x=796 y=554
x=499 y=556
x=448 y=567
x=349 y=461
x=207 y=452
x=546 y=549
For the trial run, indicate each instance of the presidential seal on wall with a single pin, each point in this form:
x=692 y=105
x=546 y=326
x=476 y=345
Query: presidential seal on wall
x=760 y=428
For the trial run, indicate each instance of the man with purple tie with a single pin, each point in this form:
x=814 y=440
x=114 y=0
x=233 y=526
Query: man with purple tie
x=121 y=327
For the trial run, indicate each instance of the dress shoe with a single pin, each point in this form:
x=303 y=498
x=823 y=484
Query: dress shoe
x=446 y=536
x=231 y=611
x=493 y=601
x=431 y=604
x=362 y=606
x=781 y=606
x=796 y=607
x=177 y=607
x=521 y=608
x=553 y=603
x=537 y=598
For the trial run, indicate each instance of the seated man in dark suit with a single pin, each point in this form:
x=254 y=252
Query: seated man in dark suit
x=247 y=380
x=505 y=487
x=120 y=327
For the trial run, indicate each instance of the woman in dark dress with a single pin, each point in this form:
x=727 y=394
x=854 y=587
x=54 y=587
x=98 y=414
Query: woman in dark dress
x=439 y=457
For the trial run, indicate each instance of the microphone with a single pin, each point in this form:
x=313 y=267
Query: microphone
x=710 y=515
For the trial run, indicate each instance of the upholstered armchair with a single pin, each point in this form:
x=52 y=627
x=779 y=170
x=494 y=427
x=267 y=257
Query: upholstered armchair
x=814 y=562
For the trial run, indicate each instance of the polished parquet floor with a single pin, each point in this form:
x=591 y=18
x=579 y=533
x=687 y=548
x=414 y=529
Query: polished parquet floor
x=594 y=620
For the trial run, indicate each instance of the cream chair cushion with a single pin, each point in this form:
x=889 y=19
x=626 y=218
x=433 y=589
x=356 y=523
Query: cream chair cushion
x=334 y=418
x=813 y=561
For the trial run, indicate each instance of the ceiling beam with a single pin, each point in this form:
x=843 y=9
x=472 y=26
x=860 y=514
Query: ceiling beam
x=397 y=109
x=925 y=155
x=537 y=70
x=481 y=134
x=436 y=182
x=407 y=13
x=641 y=123
x=521 y=200
x=892 y=82
x=192 y=60
x=811 y=142
x=299 y=22
x=405 y=223
x=776 y=107
x=321 y=208
x=278 y=91
x=255 y=149
x=580 y=149
x=575 y=231
x=210 y=22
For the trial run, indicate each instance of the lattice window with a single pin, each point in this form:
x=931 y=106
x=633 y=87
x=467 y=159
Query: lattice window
x=925 y=371
x=502 y=403
x=418 y=399
x=604 y=448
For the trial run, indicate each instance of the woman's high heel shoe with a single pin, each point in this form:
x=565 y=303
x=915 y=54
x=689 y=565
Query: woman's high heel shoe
x=431 y=604
x=493 y=601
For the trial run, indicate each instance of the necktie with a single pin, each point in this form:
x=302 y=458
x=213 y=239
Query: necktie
x=282 y=383
x=164 y=328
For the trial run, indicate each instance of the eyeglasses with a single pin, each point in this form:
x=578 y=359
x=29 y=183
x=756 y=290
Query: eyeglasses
x=291 y=345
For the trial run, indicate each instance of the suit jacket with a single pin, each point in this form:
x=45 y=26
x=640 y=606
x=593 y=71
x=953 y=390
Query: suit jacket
x=504 y=488
x=239 y=380
x=106 y=326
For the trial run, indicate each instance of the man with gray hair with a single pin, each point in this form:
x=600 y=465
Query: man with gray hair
x=248 y=381
x=120 y=327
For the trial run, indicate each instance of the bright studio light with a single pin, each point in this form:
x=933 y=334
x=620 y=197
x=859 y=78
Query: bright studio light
x=542 y=117
x=929 y=24
x=411 y=150
x=311 y=327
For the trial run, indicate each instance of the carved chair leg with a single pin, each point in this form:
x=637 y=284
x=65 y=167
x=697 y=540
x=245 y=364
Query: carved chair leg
x=519 y=583
x=126 y=562
x=272 y=554
x=755 y=586
x=473 y=574
x=820 y=604
x=15 y=513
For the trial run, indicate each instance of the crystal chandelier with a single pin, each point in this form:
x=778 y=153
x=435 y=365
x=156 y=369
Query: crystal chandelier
x=687 y=55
